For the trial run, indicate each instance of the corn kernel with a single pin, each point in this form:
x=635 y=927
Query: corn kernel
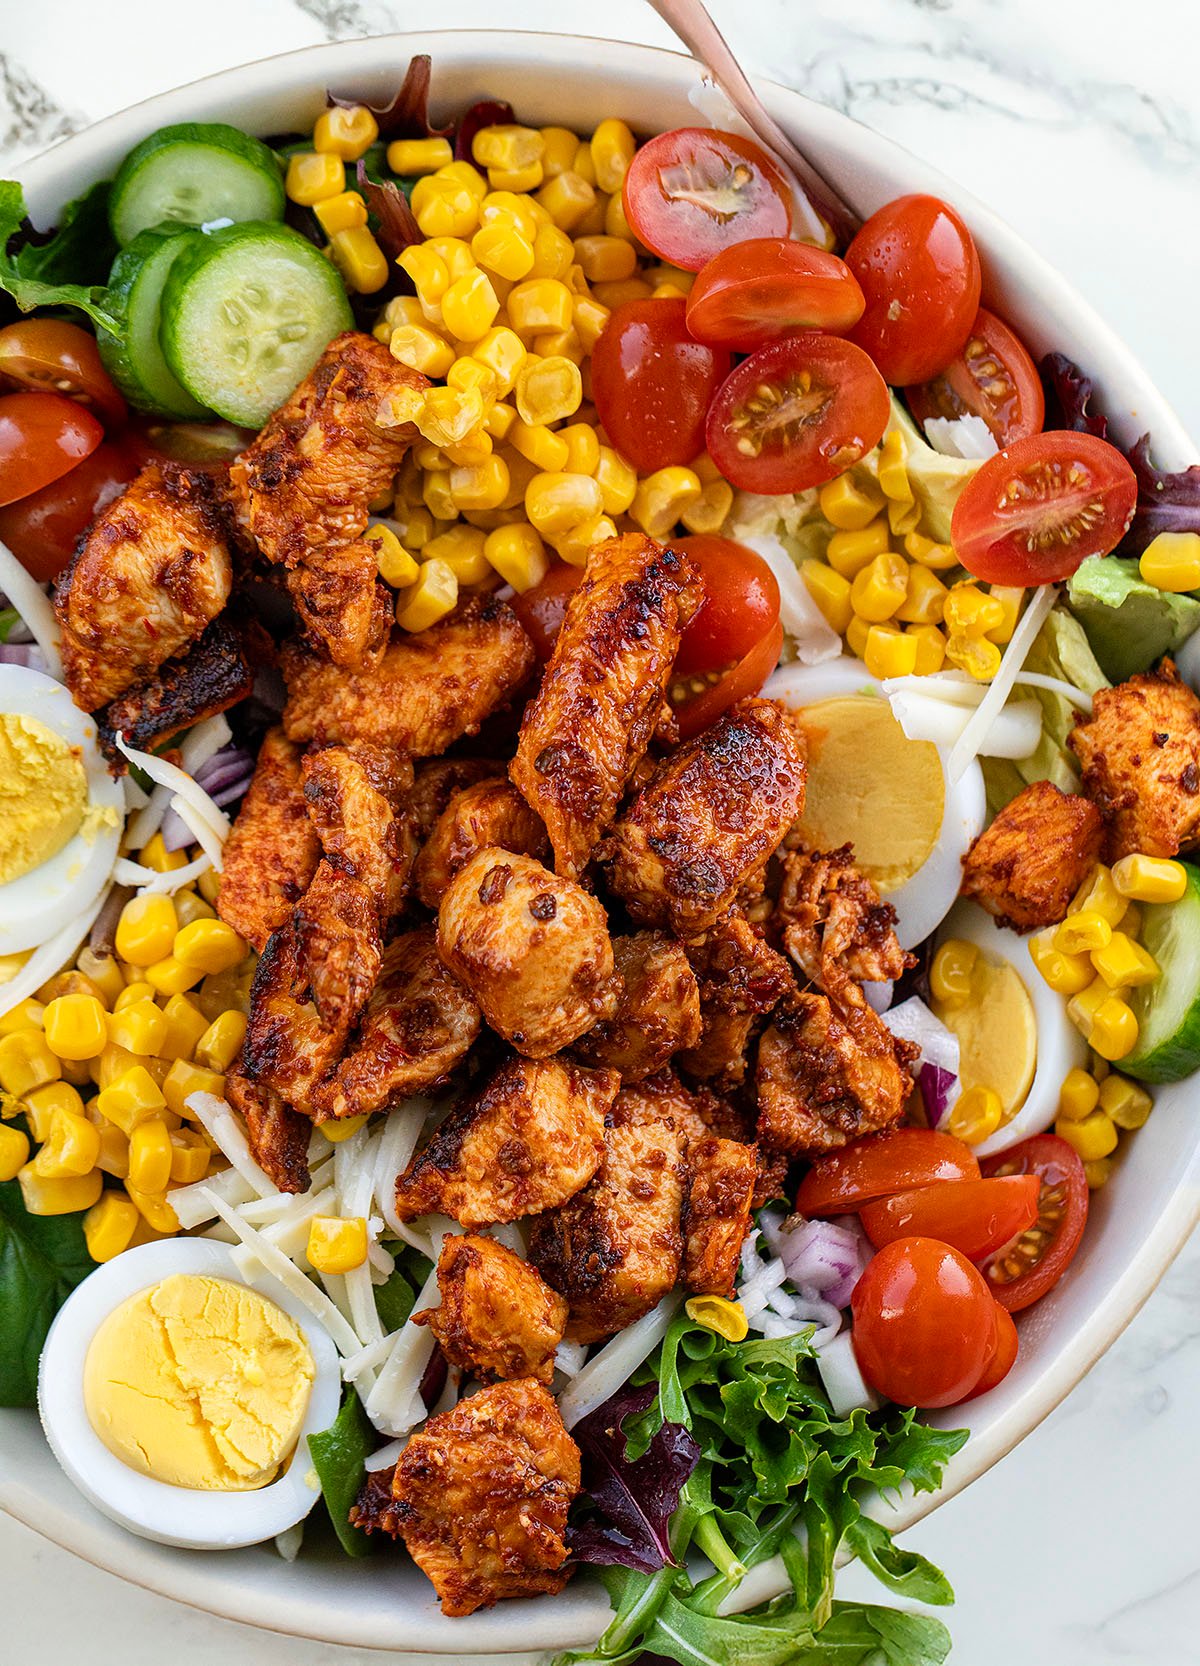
x=75 y=1027
x=584 y=165
x=169 y=976
x=221 y=1042
x=26 y=1015
x=26 y=1063
x=568 y=198
x=919 y=548
x=473 y=448
x=1078 y=1096
x=975 y=655
x=1150 y=878
x=605 y=259
x=662 y=497
x=539 y=446
x=132 y=993
x=951 y=971
x=437 y=499
x=444 y=208
x=614 y=295
x=880 y=588
x=1092 y=1136
x=539 y=305
x=849 y=552
x=209 y=946
x=341 y=1128
x=1009 y=597
x=345 y=212
x=612 y=149
x=857 y=632
x=548 y=391
x=418 y=156
x=108 y=1226
x=185 y=1024
x=925 y=598
x=189 y=1156
x=1122 y=963
x=209 y=885
x=146 y=929
x=502 y=352
x=359 y=259
x=67 y=1195
x=470 y=305
x=709 y=511
x=184 y=1079
x=432 y=597
x=427 y=269
x=482 y=486
x=348 y=133
x=466 y=174
x=1081 y=933
x=576 y=545
x=717 y=1313
x=562 y=344
x=830 y=591
x=497 y=423
x=114 y=1061
x=518 y=555
x=975 y=1115
x=502 y=249
x=1124 y=1101
x=1114 y=1026
x=1171 y=561
x=556 y=501
x=103 y=970
x=154 y=1208
x=1131 y=921
x=71 y=1146
x=150 y=1156
x=156 y=855
x=931 y=648
x=847 y=506
x=114 y=1148
x=617 y=480
x=507 y=146
x=11 y=964
x=133 y=1098
x=559 y=146
x=461 y=550
x=312 y=177
x=1099 y=895
x=393 y=563
x=889 y=653
x=14 y=1152
x=337 y=1246
x=971 y=611
x=1098 y=1173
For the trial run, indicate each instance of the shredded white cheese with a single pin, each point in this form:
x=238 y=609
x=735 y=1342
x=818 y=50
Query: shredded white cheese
x=187 y=792
x=217 y=1118
x=394 y=1405
x=32 y=603
x=967 y=746
x=152 y=883
x=612 y=1366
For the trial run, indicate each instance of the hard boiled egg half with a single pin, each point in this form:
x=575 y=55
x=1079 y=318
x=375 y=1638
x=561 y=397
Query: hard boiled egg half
x=179 y=1399
x=888 y=796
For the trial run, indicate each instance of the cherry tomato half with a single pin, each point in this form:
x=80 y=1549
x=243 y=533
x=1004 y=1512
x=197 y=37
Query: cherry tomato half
x=42 y=529
x=52 y=356
x=1038 y=508
x=976 y=1216
x=1003 y=1357
x=42 y=435
x=695 y=190
x=919 y=270
x=652 y=383
x=741 y=604
x=993 y=378
x=877 y=1164
x=700 y=711
x=924 y=1327
x=796 y=413
x=541 y=609
x=1019 y=1276
x=768 y=287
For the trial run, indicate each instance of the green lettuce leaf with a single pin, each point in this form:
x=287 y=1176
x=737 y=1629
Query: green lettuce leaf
x=339 y=1454
x=68 y=270
x=42 y=1259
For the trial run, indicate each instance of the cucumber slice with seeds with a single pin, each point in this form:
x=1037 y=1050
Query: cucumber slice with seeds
x=1168 y=1010
x=134 y=359
x=195 y=173
x=246 y=314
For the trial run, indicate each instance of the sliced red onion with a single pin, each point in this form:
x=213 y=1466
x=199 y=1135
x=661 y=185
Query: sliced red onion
x=913 y=1021
x=820 y=1256
x=939 y=1089
x=225 y=777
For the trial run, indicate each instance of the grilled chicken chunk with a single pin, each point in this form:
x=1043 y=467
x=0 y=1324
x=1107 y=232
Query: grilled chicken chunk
x=343 y=609
x=531 y=1140
x=740 y=978
x=1029 y=863
x=436 y=782
x=616 y=1248
x=497 y=1318
x=602 y=691
x=418 y=1025
x=482 y=1493
x=709 y=820
x=532 y=948
x=214 y=673
x=491 y=812
x=426 y=692
x=833 y=924
x=722 y=1178
x=658 y=1008
x=356 y=801
x=277 y=1134
x=273 y=850
x=1140 y=756
x=827 y=1074
x=151 y=573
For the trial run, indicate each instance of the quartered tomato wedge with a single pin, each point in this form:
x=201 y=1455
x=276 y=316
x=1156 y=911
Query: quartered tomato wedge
x=924 y=1324
x=796 y=413
x=542 y=609
x=1022 y=1273
x=693 y=191
x=895 y=1160
x=698 y=712
x=42 y=436
x=43 y=528
x=52 y=356
x=741 y=604
x=1003 y=1355
x=976 y=1216
x=768 y=287
x=1033 y=512
x=993 y=378
x=652 y=383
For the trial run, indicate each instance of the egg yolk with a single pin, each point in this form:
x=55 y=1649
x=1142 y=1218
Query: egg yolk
x=199 y=1382
x=872 y=787
x=43 y=793
x=997 y=1033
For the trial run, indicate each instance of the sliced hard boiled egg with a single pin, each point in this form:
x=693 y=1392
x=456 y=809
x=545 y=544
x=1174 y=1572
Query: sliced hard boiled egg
x=888 y=796
x=61 y=812
x=1014 y=1035
x=202 y=1414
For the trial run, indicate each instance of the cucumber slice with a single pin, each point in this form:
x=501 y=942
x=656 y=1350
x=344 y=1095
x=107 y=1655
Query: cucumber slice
x=1168 y=1010
x=134 y=359
x=246 y=314
x=195 y=173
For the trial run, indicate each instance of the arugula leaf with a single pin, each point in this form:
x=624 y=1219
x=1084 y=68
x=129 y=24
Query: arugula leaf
x=42 y=1259
x=63 y=271
x=339 y=1454
x=906 y=1572
x=8 y=618
x=634 y=1499
x=395 y=1300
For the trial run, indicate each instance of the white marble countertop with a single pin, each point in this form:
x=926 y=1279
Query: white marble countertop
x=1077 y=119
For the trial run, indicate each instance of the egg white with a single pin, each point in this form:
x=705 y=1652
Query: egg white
x=1060 y=1047
x=923 y=900
x=36 y=905
x=156 y=1509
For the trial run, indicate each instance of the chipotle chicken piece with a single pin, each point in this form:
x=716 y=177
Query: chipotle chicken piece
x=311 y=983
x=1028 y=864
x=487 y=813
x=273 y=850
x=153 y=570
x=419 y=1023
x=214 y=673
x=833 y=922
x=658 y=1008
x=531 y=1140
x=356 y=801
x=827 y=1074
x=438 y=779
x=532 y=948
x=427 y=691
x=1140 y=756
x=710 y=819
x=482 y=1493
x=498 y=1318
x=343 y=609
x=741 y=978
x=735 y=1122
x=602 y=691
x=722 y=1179
x=616 y=1248
x=277 y=1134
x=662 y=1098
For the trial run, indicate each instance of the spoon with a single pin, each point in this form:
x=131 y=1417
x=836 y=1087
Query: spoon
x=689 y=19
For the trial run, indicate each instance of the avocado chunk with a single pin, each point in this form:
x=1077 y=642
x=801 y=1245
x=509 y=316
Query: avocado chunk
x=1128 y=622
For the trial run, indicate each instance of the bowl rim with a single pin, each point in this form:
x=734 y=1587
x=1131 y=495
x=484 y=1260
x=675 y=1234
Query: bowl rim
x=314 y=66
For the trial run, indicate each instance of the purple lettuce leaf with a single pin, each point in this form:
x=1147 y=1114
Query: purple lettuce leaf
x=489 y=112
x=1068 y=395
x=407 y=115
x=397 y=227
x=631 y=1502
x=1165 y=502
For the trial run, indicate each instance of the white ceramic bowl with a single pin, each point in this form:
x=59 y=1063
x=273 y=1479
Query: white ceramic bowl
x=1138 y=1221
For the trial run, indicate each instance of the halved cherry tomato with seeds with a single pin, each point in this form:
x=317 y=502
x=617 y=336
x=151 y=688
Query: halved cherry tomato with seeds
x=924 y=1323
x=796 y=413
x=1023 y=1272
x=49 y=355
x=993 y=378
x=769 y=287
x=695 y=190
x=741 y=604
x=541 y=610
x=976 y=1216
x=1003 y=1357
x=43 y=528
x=1033 y=512
x=697 y=711
x=877 y=1164
x=42 y=436
x=652 y=383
